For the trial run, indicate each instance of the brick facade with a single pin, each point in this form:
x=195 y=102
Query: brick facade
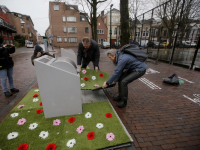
x=102 y=30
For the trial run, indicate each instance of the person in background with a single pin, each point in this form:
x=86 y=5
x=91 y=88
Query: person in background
x=88 y=50
x=6 y=68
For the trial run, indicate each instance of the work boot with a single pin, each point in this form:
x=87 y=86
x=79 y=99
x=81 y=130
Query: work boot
x=117 y=98
x=7 y=94
x=122 y=103
x=14 y=90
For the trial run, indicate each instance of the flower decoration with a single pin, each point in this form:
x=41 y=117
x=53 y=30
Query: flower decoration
x=90 y=135
x=110 y=136
x=56 y=122
x=44 y=134
x=23 y=147
x=99 y=125
x=88 y=115
x=71 y=143
x=39 y=111
x=96 y=85
x=101 y=74
x=20 y=106
x=51 y=146
x=33 y=126
x=35 y=99
x=83 y=85
x=80 y=129
x=37 y=90
x=21 y=121
x=40 y=103
x=108 y=115
x=35 y=95
x=84 y=71
x=13 y=115
x=12 y=135
x=93 y=78
x=71 y=120
x=86 y=78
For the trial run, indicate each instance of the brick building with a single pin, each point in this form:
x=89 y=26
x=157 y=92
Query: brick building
x=67 y=25
x=102 y=30
x=6 y=29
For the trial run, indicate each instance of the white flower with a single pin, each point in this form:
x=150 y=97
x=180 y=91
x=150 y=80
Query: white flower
x=88 y=115
x=99 y=125
x=57 y=132
x=35 y=99
x=81 y=78
x=28 y=111
x=37 y=90
x=44 y=134
x=83 y=84
x=13 y=115
x=93 y=78
x=33 y=126
x=12 y=135
x=71 y=143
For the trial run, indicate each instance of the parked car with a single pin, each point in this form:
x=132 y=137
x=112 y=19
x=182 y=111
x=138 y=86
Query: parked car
x=193 y=44
x=29 y=44
x=115 y=45
x=155 y=44
x=105 y=45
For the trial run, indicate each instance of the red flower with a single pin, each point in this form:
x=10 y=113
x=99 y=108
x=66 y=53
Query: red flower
x=90 y=135
x=101 y=74
x=108 y=115
x=51 y=146
x=23 y=147
x=40 y=103
x=39 y=111
x=35 y=95
x=86 y=78
x=71 y=120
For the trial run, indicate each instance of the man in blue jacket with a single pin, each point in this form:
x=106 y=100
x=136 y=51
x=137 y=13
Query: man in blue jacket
x=135 y=70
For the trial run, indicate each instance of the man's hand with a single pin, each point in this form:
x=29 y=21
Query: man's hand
x=39 y=54
x=104 y=85
x=4 y=45
x=11 y=45
x=79 y=67
x=97 y=69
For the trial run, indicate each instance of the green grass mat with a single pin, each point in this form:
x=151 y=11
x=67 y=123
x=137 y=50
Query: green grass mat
x=92 y=74
x=65 y=131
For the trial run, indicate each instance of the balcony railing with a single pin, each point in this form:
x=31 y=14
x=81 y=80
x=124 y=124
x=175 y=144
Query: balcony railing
x=7 y=26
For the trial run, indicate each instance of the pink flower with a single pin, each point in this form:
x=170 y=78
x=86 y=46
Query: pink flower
x=110 y=136
x=56 y=122
x=80 y=129
x=21 y=121
x=20 y=106
x=96 y=85
x=84 y=71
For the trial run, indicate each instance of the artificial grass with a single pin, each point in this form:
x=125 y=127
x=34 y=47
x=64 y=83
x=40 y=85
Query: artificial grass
x=66 y=131
x=89 y=85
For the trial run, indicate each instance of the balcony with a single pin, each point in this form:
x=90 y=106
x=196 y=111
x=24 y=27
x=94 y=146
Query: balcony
x=7 y=26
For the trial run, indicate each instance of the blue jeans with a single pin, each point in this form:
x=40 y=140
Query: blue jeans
x=4 y=73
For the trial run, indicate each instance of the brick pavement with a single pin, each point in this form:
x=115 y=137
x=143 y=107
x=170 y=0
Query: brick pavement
x=156 y=119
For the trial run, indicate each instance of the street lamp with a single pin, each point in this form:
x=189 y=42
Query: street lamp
x=110 y=24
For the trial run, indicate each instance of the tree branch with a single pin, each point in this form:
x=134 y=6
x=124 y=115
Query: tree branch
x=101 y=1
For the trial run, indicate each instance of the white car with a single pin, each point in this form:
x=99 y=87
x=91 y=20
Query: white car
x=193 y=44
x=29 y=44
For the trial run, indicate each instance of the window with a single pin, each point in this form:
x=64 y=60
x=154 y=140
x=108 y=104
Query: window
x=56 y=7
x=165 y=32
x=59 y=39
x=71 y=19
x=83 y=18
x=115 y=32
x=64 y=19
x=86 y=30
x=99 y=24
x=100 y=31
x=72 y=40
x=64 y=29
x=30 y=35
x=147 y=33
x=72 y=30
x=116 y=19
x=23 y=30
x=143 y=33
x=65 y=39
x=104 y=20
x=101 y=41
x=71 y=8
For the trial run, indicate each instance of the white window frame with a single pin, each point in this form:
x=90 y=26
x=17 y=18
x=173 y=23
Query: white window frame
x=69 y=19
x=63 y=18
x=64 y=29
x=59 y=39
x=100 y=31
x=56 y=7
x=68 y=29
x=69 y=39
x=65 y=39
x=116 y=19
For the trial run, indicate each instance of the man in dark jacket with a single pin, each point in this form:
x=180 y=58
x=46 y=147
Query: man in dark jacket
x=88 y=50
x=6 y=68
x=135 y=70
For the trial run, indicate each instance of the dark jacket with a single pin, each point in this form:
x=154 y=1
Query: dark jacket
x=124 y=62
x=5 y=59
x=93 y=53
x=38 y=49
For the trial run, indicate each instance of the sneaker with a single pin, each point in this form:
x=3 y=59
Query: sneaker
x=7 y=94
x=54 y=56
x=117 y=98
x=14 y=90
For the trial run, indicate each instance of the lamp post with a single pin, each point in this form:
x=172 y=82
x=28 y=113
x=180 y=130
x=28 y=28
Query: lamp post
x=110 y=23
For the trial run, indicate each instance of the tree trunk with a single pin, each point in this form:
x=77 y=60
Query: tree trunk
x=95 y=20
x=125 y=33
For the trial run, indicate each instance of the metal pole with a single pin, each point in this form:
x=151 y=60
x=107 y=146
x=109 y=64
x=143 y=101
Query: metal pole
x=171 y=60
x=135 y=28
x=110 y=24
x=150 y=29
x=142 y=29
x=195 y=53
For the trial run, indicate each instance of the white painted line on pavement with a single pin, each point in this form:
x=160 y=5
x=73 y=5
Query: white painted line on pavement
x=151 y=71
x=195 y=100
x=149 y=83
x=186 y=80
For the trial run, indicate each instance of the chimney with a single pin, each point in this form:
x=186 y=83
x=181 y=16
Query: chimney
x=102 y=13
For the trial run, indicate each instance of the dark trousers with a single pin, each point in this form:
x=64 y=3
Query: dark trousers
x=86 y=63
x=125 y=79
